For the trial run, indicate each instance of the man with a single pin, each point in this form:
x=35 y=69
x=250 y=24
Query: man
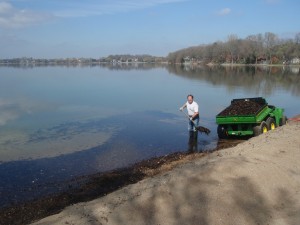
x=193 y=112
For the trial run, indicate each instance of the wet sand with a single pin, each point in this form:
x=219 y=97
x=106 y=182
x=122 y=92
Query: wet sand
x=255 y=182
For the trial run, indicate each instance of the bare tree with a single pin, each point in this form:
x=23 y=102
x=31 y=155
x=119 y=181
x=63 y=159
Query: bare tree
x=255 y=43
x=232 y=46
x=270 y=41
x=250 y=50
x=297 y=38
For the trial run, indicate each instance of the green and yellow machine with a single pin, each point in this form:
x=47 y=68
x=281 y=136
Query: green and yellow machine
x=249 y=116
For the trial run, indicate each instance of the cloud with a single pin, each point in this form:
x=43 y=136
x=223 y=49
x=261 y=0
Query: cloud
x=17 y=17
x=93 y=8
x=224 y=12
x=11 y=17
x=4 y=7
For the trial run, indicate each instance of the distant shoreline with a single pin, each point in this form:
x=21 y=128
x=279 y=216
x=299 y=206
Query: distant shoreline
x=123 y=60
x=7 y=64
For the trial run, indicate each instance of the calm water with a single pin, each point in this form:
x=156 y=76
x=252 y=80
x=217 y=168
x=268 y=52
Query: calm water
x=57 y=123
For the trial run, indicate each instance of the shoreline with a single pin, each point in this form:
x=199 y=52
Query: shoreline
x=130 y=178
x=89 y=187
x=255 y=182
x=85 y=64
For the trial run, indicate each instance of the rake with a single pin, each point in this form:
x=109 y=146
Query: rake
x=201 y=129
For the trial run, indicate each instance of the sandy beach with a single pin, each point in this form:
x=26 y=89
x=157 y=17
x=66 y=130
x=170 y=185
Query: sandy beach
x=255 y=182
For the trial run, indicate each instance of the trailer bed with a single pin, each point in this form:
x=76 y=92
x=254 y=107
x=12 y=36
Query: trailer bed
x=244 y=107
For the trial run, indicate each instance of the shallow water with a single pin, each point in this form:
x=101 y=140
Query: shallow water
x=58 y=123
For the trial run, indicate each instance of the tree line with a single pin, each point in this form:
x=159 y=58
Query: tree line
x=265 y=48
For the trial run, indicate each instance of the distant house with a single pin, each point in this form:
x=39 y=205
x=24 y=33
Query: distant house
x=262 y=60
x=186 y=60
x=295 y=60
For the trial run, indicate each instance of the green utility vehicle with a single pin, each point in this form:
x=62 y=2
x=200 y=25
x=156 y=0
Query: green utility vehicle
x=249 y=116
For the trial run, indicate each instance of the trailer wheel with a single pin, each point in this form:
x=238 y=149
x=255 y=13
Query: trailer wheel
x=262 y=128
x=282 y=120
x=271 y=123
x=222 y=132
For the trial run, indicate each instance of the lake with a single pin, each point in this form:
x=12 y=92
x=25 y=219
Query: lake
x=58 y=123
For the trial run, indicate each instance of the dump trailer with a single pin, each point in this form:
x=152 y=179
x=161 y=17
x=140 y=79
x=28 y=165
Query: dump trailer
x=249 y=117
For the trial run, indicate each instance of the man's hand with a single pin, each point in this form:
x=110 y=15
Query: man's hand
x=181 y=108
x=191 y=118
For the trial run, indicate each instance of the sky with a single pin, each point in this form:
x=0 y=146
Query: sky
x=98 y=28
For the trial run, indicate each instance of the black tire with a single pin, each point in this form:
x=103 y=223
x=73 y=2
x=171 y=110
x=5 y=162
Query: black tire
x=271 y=123
x=262 y=128
x=283 y=120
x=222 y=132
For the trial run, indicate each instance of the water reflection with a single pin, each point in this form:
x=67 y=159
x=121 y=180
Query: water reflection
x=11 y=109
x=8 y=111
x=193 y=142
x=110 y=66
x=265 y=80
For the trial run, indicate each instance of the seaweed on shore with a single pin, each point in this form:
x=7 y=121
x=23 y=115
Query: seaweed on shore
x=88 y=188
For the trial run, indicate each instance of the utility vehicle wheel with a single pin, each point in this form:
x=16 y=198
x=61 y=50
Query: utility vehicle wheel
x=282 y=120
x=262 y=128
x=271 y=123
x=222 y=132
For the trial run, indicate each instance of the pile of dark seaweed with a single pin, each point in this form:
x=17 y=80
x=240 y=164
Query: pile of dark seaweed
x=243 y=107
